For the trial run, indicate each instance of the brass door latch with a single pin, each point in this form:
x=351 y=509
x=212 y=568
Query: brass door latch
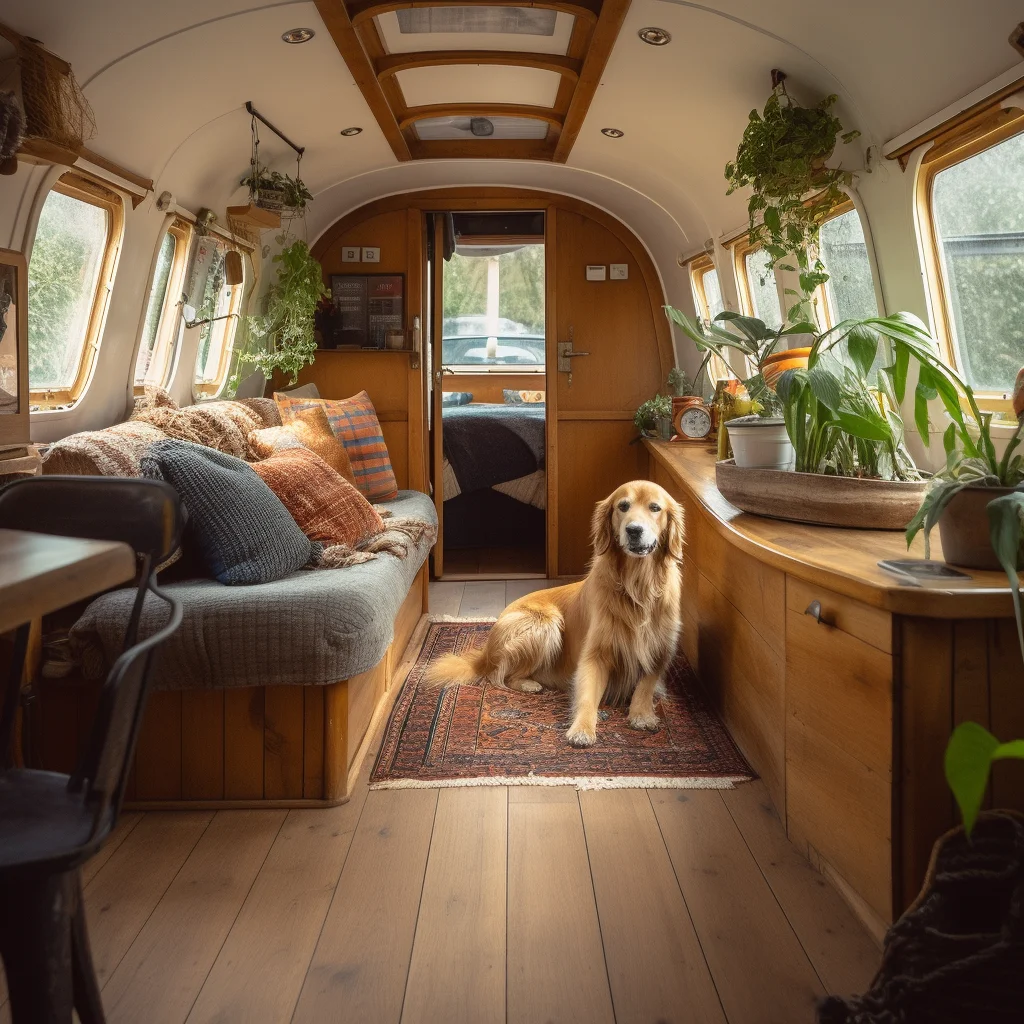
x=566 y=355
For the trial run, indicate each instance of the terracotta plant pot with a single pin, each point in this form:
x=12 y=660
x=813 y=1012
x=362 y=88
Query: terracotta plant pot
x=963 y=528
x=787 y=359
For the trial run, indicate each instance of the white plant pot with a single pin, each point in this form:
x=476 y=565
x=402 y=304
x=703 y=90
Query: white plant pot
x=764 y=445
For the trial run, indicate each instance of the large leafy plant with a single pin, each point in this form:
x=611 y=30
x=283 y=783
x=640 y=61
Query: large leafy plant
x=286 y=327
x=272 y=189
x=782 y=159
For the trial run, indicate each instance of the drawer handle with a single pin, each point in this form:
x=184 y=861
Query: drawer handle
x=814 y=610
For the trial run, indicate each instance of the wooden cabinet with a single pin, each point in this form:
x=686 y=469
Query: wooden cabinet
x=840 y=686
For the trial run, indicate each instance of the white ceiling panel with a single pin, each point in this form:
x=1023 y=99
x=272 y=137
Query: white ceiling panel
x=478 y=83
x=397 y=41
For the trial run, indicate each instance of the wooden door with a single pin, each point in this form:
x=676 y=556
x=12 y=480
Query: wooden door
x=436 y=276
x=590 y=423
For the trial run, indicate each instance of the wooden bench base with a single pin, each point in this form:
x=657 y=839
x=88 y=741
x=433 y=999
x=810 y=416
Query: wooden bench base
x=257 y=746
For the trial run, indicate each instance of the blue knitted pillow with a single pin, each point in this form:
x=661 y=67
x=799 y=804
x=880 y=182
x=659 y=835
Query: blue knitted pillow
x=243 y=530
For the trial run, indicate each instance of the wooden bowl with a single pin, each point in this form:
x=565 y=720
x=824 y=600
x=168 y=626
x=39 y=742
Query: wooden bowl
x=824 y=500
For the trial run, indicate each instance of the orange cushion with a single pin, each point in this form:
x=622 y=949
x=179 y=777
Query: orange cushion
x=325 y=505
x=311 y=429
x=354 y=422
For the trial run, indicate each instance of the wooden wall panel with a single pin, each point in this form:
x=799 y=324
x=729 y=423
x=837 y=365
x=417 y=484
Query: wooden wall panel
x=202 y=744
x=283 y=743
x=1006 y=688
x=596 y=458
x=158 y=752
x=243 y=743
x=396 y=437
x=313 y=743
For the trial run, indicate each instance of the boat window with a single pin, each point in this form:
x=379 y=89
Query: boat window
x=161 y=329
x=758 y=290
x=70 y=276
x=850 y=289
x=221 y=303
x=973 y=227
x=707 y=294
x=494 y=307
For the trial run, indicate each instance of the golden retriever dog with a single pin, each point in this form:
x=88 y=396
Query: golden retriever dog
x=611 y=635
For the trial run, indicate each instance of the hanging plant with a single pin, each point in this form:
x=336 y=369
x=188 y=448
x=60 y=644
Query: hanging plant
x=782 y=158
x=286 y=327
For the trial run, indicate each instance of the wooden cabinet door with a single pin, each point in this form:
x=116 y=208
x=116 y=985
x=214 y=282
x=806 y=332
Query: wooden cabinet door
x=590 y=423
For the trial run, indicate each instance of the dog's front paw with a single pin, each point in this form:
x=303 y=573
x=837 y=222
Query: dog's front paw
x=650 y=723
x=580 y=736
x=526 y=686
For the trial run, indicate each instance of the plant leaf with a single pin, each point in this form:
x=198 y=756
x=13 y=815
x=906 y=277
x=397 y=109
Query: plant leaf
x=862 y=344
x=968 y=760
x=825 y=387
x=1004 y=526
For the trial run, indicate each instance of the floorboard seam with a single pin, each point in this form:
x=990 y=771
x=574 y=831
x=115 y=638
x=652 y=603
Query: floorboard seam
x=227 y=934
x=771 y=889
x=597 y=908
x=682 y=893
x=142 y=814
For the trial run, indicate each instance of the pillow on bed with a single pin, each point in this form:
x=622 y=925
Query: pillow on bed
x=513 y=397
x=456 y=397
x=354 y=422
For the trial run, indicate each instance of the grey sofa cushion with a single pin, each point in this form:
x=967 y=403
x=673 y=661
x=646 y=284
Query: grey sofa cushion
x=312 y=627
x=242 y=529
x=302 y=391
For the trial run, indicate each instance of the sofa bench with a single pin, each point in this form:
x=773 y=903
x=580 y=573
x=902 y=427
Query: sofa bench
x=265 y=693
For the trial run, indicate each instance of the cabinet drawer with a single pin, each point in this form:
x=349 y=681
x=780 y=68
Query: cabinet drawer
x=871 y=625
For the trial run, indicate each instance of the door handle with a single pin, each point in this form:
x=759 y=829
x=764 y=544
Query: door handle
x=565 y=353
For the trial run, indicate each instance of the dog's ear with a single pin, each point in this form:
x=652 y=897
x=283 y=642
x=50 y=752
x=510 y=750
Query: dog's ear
x=674 y=530
x=601 y=527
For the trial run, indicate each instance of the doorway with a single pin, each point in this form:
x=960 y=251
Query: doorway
x=489 y=389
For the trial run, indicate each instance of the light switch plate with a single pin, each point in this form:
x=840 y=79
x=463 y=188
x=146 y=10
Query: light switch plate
x=371 y=254
x=351 y=254
x=619 y=271
x=596 y=273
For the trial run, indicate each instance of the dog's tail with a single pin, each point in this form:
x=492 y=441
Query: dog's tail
x=456 y=668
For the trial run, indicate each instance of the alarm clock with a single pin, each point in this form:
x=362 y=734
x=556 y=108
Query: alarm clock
x=691 y=419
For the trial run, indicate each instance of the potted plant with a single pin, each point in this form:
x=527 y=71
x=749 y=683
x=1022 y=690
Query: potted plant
x=286 y=326
x=654 y=418
x=272 y=190
x=782 y=159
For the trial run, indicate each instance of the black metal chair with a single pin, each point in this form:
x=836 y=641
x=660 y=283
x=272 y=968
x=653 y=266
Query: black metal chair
x=51 y=824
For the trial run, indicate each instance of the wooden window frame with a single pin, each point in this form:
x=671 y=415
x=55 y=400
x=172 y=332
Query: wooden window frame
x=699 y=266
x=965 y=140
x=211 y=389
x=77 y=185
x=169 y=328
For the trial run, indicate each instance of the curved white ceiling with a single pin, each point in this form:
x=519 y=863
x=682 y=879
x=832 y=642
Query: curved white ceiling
x=168 y=82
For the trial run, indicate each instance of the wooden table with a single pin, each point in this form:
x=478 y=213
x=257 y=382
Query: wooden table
x=40 y=573
x=845 y=716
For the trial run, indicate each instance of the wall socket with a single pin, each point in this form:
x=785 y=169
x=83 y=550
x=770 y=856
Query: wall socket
x=351 y=254
x=371 y=254
x=619 y=271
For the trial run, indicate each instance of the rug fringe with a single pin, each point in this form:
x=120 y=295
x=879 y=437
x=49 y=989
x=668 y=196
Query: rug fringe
x=585 y=782
x=461 y=618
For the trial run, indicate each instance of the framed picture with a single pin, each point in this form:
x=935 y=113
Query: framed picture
x=365 y=308
x=14 y=400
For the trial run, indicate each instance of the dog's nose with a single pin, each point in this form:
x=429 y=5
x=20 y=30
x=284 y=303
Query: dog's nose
x=634 y=531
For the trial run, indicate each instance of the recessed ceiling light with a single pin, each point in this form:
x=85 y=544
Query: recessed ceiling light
x=298 y=35
x=613 y=133
x=350 y=131
x=654 y=36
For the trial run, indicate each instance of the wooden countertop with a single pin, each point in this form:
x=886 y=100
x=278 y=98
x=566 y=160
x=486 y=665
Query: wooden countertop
x=842 y=560
x=40 y=573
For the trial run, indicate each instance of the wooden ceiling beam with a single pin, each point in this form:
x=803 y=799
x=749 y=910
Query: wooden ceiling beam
x=335 y=17
x=606 y=31
x=363 y=10
x=490 y=149
x=412 y=114
x=392 y=63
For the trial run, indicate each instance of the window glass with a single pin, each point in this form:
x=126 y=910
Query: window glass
x=978 y=208
x=764 y=295
x=712 y=293
x=494 y=307
x=63 y=275
x=215 y=343
x=850 y=289
x=147 y=369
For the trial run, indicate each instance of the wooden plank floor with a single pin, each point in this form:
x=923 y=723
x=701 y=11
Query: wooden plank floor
x=471 y=905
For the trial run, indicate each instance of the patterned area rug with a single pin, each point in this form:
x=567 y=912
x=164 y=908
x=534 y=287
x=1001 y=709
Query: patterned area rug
x=489 y=736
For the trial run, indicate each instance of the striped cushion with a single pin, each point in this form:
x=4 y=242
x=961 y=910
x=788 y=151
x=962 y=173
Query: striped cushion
x=354 y=421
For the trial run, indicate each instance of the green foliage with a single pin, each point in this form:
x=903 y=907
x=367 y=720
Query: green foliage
x=969 y=756
x=286 y=326
x=647 y=416
x=678 y=383
x=521 y=293
x=781 y=157
x=273 y=185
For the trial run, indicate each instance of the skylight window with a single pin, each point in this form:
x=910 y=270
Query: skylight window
x=522 y=21
x=461 y=128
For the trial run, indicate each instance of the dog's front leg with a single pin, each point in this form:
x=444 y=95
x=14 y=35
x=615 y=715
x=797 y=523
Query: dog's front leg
x=641 y=708
x=590 y=684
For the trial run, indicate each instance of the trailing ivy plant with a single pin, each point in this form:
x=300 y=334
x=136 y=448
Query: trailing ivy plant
x=273 y=189
x=286 y=327
x=782 y=158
